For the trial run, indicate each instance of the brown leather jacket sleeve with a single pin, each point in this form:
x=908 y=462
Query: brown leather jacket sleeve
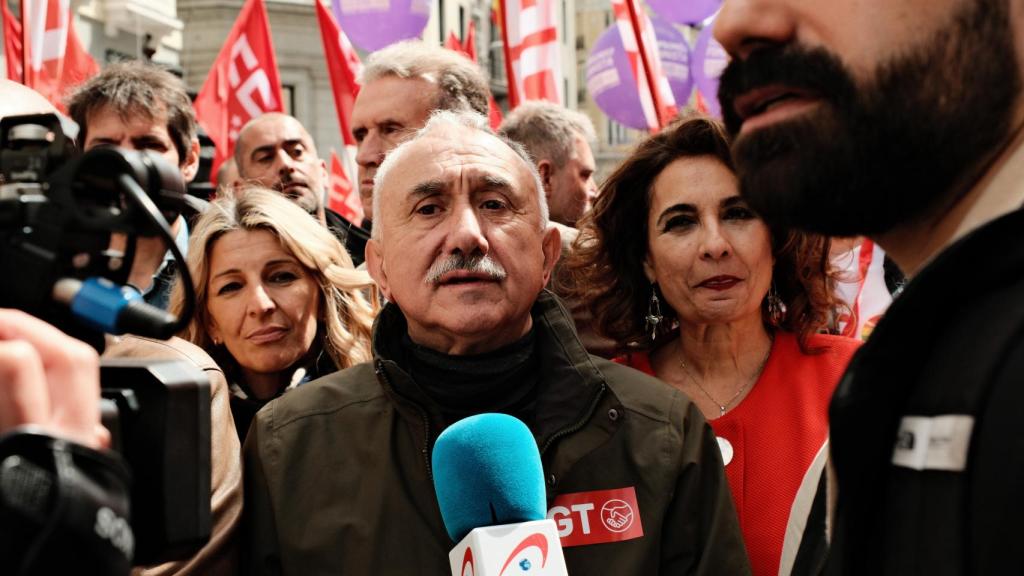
x=220 y=555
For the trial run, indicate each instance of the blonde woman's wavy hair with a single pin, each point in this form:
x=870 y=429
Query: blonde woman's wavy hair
x=345 y=317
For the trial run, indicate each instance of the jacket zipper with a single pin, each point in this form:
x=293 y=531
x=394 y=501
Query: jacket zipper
x=577 y=426
x=381 y=373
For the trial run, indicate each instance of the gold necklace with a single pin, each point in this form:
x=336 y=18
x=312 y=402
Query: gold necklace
x=723 y=407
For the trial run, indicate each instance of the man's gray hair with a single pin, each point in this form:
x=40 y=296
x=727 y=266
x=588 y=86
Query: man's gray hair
x=461 y=83
x=466 y=119
x=547 y=131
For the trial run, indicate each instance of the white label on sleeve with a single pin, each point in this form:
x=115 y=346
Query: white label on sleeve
x=933 y=442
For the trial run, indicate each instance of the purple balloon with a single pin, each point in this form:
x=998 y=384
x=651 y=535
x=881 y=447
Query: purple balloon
x=706 y=66
x=610 y=77
x=374 y=24
x=685 y=11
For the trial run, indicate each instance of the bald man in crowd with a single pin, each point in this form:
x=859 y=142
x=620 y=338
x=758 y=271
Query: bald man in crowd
x=276 y=151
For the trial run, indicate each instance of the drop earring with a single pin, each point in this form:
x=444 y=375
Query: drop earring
x=654 y=316
x=776 y=307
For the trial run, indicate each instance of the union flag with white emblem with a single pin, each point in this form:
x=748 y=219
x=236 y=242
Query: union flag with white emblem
x=54 y=60
x=243 y=82
x=641 y=46
x=532 y=53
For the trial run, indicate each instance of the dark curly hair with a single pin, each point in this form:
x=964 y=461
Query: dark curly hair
x=605 y=268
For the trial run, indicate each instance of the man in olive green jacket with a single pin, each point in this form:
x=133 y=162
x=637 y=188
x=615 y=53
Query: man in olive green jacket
x=338 y=477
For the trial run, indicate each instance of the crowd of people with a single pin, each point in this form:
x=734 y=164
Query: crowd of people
x=679 y=334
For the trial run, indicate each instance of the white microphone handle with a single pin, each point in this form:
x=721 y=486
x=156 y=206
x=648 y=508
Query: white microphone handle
x=523 y=549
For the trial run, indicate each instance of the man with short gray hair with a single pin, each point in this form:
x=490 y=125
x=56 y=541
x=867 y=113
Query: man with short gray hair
x=401 y=85
x=462 y=252
x=559 y=140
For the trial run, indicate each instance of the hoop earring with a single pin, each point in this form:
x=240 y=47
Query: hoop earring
x=654 y=317
x=776 y=307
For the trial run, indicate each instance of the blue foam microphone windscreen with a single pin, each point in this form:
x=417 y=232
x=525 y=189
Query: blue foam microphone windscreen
x=487 y=472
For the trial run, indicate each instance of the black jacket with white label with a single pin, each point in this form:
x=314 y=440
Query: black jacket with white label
x=338 y=477
x=922 y=490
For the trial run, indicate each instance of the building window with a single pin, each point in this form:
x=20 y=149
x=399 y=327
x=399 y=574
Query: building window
x=618 y=134
x=288 y=98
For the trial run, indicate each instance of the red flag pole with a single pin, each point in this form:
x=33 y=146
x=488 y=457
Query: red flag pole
x=634 y=20
x=24 y=43
x=513 y=96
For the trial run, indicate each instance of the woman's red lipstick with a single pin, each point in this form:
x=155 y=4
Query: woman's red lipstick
x=720 y=282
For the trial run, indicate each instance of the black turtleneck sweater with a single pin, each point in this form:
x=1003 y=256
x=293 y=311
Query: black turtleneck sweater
x=504 y=380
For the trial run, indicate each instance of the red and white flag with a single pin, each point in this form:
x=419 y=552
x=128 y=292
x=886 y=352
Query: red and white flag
x=861 y=286
x=12 y=44
x=342 y=197
x=641 y=45
x=243 y=82
x=53 y=58
x=344 y=67
x=468 y=48
x=532 y=54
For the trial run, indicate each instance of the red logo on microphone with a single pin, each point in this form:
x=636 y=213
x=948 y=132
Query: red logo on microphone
x=597 y=517
x=537 y=540
x=467 y=561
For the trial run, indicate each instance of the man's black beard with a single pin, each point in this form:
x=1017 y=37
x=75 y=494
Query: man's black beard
x=873 y=156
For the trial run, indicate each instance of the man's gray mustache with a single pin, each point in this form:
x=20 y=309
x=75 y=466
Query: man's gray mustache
x=475 y=264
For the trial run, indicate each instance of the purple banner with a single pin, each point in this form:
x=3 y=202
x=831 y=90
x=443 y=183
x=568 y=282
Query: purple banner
x=374 y=24
x=706 y=66
x=610 y=78
x=685 y=11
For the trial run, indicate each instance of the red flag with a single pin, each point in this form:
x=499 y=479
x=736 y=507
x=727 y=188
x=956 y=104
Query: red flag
x=469 y=48
x=242 y=83
x=12 y=45
x=452 y=43
x=699 y=103
x=342 y=197
x=344 y=66
x=53 y=58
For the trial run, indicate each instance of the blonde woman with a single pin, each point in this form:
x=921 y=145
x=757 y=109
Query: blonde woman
x=278 y=302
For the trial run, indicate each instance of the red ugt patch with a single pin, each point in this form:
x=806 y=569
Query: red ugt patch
x=597 y=517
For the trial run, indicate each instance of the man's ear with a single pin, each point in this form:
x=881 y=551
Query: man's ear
x=190 y=166
x=552 y=247
x=547 y=172
x=374 y=255
x=325 y=177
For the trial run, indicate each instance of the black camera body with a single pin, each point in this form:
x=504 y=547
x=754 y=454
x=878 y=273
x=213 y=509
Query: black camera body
x=58 y=212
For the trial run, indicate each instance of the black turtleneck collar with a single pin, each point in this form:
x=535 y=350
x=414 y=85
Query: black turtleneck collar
x=503 y=380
